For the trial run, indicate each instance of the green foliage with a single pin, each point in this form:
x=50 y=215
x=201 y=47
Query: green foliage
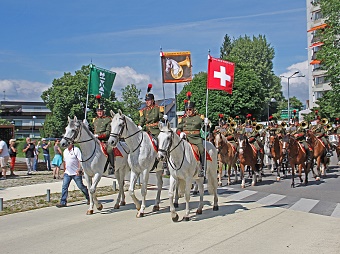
x=283 y=105
x=132 y=103
x=329 y=55
x=254 y=82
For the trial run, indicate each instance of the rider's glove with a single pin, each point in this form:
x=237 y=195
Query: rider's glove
x=182 y=135
x=140 y=127
x=206 y=121
x=96 y=135
x=165 y=117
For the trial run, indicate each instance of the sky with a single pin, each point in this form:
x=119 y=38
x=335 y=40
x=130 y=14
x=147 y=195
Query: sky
x=41 y=40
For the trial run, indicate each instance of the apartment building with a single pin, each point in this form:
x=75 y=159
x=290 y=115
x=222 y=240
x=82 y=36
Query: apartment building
x=317 y=81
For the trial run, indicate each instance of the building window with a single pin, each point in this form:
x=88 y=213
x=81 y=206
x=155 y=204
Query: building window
x=320 y=80
x=318 y=95
x=317 y=15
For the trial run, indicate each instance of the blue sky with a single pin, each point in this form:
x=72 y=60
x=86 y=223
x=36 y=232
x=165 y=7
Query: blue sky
x=40 y=40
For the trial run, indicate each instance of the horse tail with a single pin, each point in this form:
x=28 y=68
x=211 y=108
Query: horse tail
x=212 y=169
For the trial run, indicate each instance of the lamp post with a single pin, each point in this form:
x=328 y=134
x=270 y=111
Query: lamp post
x=271 y=100
x=288 y=78
x=33 y=117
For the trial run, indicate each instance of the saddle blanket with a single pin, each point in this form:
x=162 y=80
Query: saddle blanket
x=196 y=153
x=116 y=151
x=153 y=141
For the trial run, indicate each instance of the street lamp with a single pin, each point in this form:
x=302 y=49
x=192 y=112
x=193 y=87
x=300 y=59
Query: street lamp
x=33 y=117
x=271 y=100
x=288 y=78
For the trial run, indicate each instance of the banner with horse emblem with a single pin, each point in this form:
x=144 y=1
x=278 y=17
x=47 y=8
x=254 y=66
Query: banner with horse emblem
x=101 y=81
x=176 y=67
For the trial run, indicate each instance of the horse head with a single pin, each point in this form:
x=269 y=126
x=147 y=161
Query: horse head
x=165 y=139
x=118 y=125
x=72 y=131
x=168 y=65
x=242 y=142
x=218 y=140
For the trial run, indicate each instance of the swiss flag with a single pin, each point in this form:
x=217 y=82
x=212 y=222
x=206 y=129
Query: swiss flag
x=220 y=74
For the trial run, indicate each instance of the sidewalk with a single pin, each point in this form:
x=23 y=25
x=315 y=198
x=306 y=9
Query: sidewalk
x=41 y=189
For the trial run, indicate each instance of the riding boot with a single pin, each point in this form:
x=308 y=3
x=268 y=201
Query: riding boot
x=112 y=163
x=201 y=172
x=259 y=161
x=329 y=152
x=308 y=155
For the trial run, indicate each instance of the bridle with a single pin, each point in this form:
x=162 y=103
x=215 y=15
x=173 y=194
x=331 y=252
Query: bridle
x=168 y=150
x=76 y=133
x=120 y=132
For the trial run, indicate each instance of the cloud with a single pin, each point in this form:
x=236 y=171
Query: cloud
x=298 y=87
x=22 y=90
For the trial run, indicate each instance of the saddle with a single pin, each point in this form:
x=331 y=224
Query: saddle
x=197 y=153
x=116 y=151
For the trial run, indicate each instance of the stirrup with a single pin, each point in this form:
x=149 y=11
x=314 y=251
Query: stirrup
x=201 y=173
x=329 y=154
x=111 y=170
x=259 y=161
x=165 y=165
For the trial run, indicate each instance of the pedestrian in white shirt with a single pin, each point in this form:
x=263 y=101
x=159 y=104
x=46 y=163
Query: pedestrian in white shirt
x=4 y=157
x=73 y=170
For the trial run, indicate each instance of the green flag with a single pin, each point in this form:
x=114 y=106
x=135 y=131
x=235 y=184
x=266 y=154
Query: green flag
x=101 y=82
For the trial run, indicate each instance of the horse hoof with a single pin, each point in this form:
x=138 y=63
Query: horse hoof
x=317 y=178
x=243 y=186
x=176 y=205
x=195 y=192
x=175 y=219
x=89 y=212
x=122 y=203
x=186 y=218
x=199 y=211
x=215 y=208
x=155 y=208
x=278 y=179
x=116 y=206
x=140 y=215
x=100 y=207
x=219 y=184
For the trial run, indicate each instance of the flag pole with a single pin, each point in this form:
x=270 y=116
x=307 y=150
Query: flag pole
x=87 y=96
x=206 y=125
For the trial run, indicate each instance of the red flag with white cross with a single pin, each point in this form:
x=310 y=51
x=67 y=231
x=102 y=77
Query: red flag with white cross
x=220 y=74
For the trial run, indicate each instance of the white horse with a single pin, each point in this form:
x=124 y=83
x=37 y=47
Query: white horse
x=93 y=160
x=184 y=168
x=141 y=159
x=174 y=68
x=267 y=153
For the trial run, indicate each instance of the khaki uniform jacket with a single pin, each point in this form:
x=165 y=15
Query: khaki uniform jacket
x=102 y=127
x=149 y=118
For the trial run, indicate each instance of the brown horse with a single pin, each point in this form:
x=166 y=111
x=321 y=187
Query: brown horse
x=296 y=156
x=247 y=156
x=226 y=156
x=276 y=151
x=319 y=155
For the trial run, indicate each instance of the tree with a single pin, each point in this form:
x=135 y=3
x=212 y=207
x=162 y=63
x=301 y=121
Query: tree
x=67 y=97
x=329 y=55
x=283 y=105
x=132 y=103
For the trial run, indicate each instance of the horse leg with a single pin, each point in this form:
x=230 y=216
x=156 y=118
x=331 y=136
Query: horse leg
x=173 y=188
x=235 y=167
x=300 y=167
x=93 y=188
x=243 y=180
x=255 y=172
x=89 y=183
x=187 y=199
x=159 y=190
x=144 y=190
x=133 y=180
x=293 y=175
x=201 y=190
x=120 y=181
x=229 y=173
x=176 y=195
x=220 y=169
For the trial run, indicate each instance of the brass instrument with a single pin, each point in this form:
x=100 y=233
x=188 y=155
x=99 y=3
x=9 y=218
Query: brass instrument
x=258 y=127
x=254 y=124
x=230 y=119
x=304 y=125
x=324 y=121
x=185 y=62
x=233 y=124
x=329 y=127
x=283 y=124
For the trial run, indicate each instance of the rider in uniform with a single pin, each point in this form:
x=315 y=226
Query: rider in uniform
x=102 y=130
x=300 y=135
x=321 y=134
x=254 y=138
x=190 y=124
x=150 y=116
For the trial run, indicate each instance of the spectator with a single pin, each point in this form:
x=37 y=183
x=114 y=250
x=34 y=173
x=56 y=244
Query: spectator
x=29 y=149
x=36 y=155
x=57 y=160
x=4 y=157
x=46 y=152
x=73 y=170
x=12 y=154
